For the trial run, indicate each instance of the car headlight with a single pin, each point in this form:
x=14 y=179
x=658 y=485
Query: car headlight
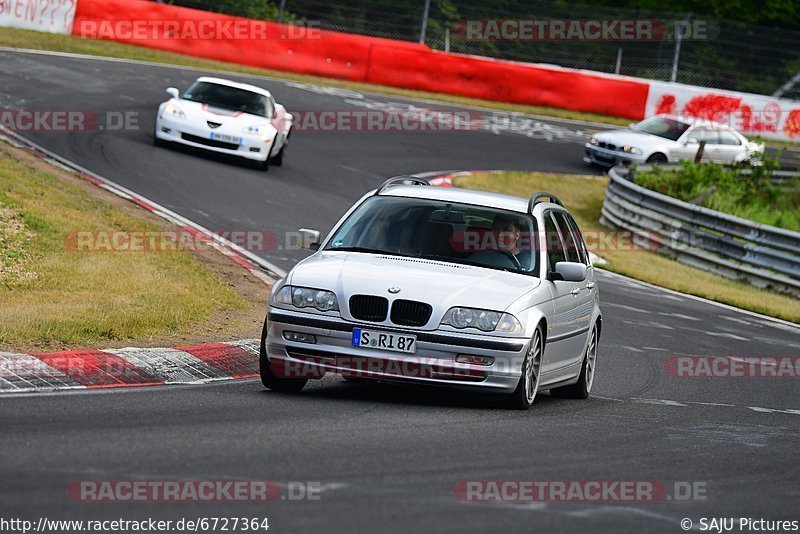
x=594 y=141
x=306 y=297
x=174 y=111
x=258 y=129
x=631 y=149
x=483 y=320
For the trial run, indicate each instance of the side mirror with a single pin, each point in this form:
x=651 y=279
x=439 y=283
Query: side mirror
x=691 y=141
x=569 y=272
x=174 y=93
x=309 y=239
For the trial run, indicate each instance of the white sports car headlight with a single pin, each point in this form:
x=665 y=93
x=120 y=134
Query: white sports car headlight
x=594 y=141
x=483 y=320
x=174 y=111
x=631 y=149
x=306 y=297
x=258 y=129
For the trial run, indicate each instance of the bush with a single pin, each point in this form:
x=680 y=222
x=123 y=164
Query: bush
x=724 y=188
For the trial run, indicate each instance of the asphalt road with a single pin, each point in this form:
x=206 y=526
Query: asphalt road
x=388 y=457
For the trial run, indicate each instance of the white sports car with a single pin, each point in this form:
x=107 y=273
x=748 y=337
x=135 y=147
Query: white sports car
x=669 y=139
x=226 y=117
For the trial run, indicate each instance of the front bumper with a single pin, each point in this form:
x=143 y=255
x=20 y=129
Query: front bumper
x=184 y=132
x=433 y=363
x=610 y=158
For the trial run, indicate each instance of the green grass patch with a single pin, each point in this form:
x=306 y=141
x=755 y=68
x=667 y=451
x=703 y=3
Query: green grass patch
x=583 y=196
x=52 y=293
x=723 y=188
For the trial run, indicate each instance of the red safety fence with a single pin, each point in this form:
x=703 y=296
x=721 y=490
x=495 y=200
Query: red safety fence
x=354 y=57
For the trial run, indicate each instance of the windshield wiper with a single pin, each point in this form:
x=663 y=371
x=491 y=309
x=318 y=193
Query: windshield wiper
x=458 y=261
x=366 y=250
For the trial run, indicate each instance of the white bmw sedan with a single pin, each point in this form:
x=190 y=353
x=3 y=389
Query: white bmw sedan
x=669 y=139
x=446 y=287
x=228 y=118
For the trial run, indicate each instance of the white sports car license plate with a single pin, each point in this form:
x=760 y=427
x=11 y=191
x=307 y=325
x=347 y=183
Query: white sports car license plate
x=226 y=138
x=390 y=341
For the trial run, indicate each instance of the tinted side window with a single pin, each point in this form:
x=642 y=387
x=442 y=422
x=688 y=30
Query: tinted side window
x=553 y=240
x=727 y=138
x=711 y=137
x=572 y=247
x=579 y=238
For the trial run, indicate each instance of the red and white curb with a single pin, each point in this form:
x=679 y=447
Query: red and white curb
x=99 y=369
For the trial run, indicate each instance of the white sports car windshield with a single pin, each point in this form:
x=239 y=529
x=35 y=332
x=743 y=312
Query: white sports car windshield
x=439 y=230
x=667 y=128
x=229 y=98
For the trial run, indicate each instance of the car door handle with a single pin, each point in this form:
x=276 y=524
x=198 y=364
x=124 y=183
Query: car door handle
x=576 y=291
x=590 y=286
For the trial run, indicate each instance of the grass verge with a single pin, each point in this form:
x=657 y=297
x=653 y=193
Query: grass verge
x=55 y=296
x=583 y=195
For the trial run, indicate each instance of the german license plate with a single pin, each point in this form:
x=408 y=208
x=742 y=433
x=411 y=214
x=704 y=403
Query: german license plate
x=226 y=138
x=391 y=341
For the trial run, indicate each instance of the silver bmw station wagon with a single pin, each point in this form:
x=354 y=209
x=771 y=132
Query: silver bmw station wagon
x=440 y=286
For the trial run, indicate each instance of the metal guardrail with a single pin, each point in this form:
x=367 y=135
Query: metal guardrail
x=727 y=245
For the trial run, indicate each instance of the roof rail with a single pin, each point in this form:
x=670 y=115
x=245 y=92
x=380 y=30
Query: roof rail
x=552 y=198
x=399 y=180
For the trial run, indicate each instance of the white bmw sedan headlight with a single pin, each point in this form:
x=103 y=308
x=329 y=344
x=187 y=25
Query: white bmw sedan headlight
x=483 y=320
x=631 y=149
x=306 y=297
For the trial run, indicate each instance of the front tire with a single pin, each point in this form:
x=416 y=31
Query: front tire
x=263 y=165
x=657 y=159
x=582 y=388
x=528 y=385
x=268 y=378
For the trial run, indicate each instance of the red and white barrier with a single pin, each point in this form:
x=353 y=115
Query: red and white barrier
x=396 y=63
x=771 y=118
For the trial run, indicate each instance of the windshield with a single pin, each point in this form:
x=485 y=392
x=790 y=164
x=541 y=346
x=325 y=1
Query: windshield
x=439 y=230
x=666 y=128
x=230 y=98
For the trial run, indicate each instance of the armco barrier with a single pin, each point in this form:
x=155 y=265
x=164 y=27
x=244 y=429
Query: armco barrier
x=374 y=60
x=730 y=246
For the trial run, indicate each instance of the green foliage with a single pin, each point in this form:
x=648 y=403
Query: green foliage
x=724 y=188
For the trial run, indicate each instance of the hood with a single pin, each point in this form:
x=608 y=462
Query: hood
x=226 y=117
x=631 y=138
x=442 y=285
